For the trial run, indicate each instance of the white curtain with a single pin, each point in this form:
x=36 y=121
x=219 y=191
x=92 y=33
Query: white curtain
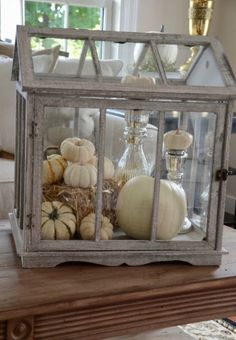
x=11 y=15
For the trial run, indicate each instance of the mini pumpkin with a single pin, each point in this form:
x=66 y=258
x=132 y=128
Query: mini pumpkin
x=109 y=169
x=177 y=140
x=82 y=176
x=58 y=221
x=77 y=150
x=87 y=228
x=53 y=169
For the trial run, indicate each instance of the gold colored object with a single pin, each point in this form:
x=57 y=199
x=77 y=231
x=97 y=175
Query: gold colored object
x=200 y=14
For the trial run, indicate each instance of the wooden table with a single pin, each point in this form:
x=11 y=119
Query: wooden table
x=82 y=301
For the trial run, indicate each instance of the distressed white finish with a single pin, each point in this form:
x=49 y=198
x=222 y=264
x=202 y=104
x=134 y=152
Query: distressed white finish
x=35 y=92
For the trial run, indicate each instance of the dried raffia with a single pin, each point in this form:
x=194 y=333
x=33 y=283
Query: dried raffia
x=82 y=201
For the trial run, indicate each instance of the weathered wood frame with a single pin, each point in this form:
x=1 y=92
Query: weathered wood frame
x=39 y=93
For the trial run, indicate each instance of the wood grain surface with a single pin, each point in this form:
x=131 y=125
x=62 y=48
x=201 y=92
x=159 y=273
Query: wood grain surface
x=2 y=330
x=97 y=302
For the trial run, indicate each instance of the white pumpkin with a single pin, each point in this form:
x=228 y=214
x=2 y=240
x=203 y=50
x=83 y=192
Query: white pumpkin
x=53 y=169
x=109 y=169
x=58 y=221
x=177 y=140
x=146 y=81
x=77 y=150
x=87 y=228
x=134 y=208
x=168 y=53
x=82 y=176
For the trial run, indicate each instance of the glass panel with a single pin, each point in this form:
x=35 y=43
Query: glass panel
x=132 y=152
x=80 y=62
x=68 y=177
x=206 y=72
x=201 y=169
x=130 y=148
x=187 y=161
x=130 y=138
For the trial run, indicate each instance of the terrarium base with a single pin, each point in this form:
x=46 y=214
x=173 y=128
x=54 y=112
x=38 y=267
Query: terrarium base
x=114 y=258
x=36 y=259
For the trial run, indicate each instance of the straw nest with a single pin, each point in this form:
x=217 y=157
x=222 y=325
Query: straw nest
x=83 y=201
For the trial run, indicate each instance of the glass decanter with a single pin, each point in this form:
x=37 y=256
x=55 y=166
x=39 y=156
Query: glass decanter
x=133 y=161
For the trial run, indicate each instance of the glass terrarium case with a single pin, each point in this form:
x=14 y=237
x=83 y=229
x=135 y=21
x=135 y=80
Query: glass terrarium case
x=121 y=159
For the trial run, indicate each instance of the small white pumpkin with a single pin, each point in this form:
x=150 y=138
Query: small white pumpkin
x=87 y=228
x=177 y=140
x=134 y=208
x=77 y=150
x=53 y=169
x=58 y=221
x=109 y=169
x=82 y=176
x=146 y=81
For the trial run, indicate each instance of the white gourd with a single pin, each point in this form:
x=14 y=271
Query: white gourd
x=58 y=221
x=77 y=150
x=87 y=228
x=53 y=169
x=82 y=176
x=177 y=140
x=109 y=168
x=134 y=208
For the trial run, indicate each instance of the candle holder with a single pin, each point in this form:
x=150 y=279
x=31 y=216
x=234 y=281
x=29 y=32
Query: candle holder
x=176 y=143
x=133 y=161
x=174 y=164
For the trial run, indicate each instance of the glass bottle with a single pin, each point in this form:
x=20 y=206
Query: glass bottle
x=133 y=161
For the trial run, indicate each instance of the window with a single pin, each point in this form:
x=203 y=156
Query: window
x=78 y=14
x=118 y=15
x=91 y=14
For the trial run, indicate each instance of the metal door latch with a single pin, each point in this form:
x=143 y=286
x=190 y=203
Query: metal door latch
x=222 y=174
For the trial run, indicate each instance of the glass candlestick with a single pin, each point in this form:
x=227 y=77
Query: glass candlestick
x=176 y=143
x=174 y=164
x=133 y=161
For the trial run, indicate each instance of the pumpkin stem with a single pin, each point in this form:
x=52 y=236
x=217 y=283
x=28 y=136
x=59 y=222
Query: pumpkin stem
x=54 y=214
